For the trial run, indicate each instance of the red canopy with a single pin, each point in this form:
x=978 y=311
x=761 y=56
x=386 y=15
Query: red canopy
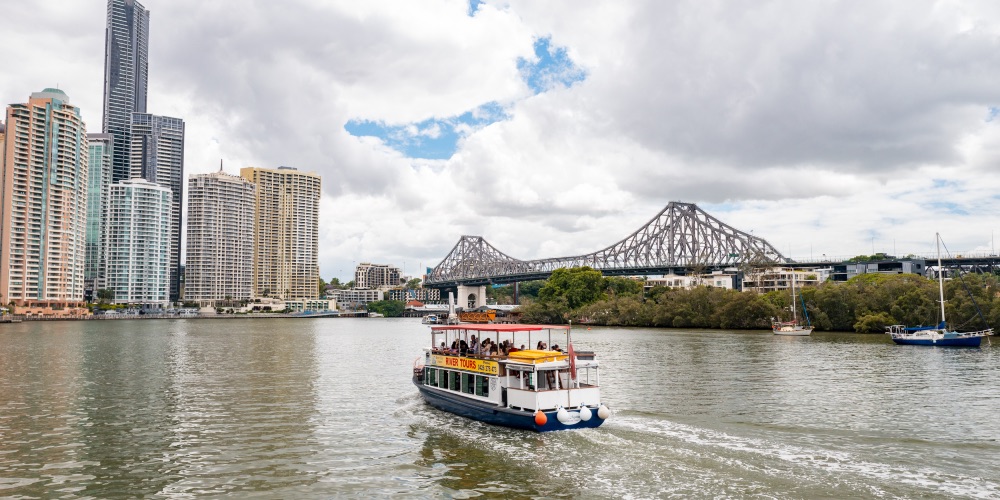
x=504 y=327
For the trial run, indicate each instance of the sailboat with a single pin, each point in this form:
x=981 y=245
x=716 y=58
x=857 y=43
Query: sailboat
x=793 y=327
x=937 y=335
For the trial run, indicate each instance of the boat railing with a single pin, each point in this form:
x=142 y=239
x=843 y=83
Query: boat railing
x=980 y=333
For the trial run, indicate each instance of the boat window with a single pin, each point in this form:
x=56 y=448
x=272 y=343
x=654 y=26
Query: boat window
x=455 y=381
x=469 y=384
x=432 y=379
x=482 y=386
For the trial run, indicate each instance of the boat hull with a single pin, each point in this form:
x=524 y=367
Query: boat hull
x=945 y=342
x=498 y=415
x=794 y=333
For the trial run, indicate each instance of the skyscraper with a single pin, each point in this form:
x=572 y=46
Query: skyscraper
x=138 y=236
x=156 y=154
x=125 y=74
x=98 y=185
x=286 y=233
x=43 y=214
x=219 y=238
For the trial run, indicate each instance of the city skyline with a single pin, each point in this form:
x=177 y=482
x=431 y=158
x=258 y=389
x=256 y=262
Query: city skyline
x=555 y=129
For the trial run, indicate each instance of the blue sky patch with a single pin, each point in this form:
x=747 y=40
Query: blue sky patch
x=944 y=184
x=433 y=139
x=437 y=138
x=991 y=113
x=474 y=6
x=949 y=207
x=552 y=68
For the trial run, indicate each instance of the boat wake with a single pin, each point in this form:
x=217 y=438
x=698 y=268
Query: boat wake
x=772 y=464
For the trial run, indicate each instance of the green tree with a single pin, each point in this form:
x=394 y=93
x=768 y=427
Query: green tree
x=500 y=294
x=388 y=308
x=530 y=288
x=746 y=311
x=622 y=287
x=579 y=286
x=873 y=323
x=413 y=283
x=105 y=294
x=552 y=311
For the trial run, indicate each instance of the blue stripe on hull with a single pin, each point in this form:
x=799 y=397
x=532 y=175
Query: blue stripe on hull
x=945 y=342
x=497 y=415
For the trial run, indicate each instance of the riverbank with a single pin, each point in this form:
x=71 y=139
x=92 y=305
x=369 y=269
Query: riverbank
x=16 y=318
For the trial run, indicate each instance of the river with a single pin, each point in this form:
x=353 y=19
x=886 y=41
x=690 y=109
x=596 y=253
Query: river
x=319 y=408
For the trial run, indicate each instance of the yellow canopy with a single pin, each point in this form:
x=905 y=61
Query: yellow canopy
x=534 y=356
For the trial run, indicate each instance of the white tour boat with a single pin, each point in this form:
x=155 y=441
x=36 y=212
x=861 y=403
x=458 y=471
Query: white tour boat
x=541 y=389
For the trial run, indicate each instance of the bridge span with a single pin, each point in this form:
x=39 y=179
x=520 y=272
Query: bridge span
x=680 y=238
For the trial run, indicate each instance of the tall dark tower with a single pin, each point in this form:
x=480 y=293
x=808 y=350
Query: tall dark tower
x=126 y=68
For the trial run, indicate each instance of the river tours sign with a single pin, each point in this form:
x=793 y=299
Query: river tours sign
x=467 y=364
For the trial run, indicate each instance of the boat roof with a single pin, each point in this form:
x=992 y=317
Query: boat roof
x=499 y=327
x=533 y=356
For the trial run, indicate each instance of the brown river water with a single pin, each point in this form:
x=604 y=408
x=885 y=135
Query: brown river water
x=321 y=408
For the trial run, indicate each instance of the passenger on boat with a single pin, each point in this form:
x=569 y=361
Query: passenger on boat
x=541 y=346
x=463 y=347
x=474 y=344
x=494 y=350
x=556 y=348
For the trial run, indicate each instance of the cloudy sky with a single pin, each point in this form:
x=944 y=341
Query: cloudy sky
x=557 y=128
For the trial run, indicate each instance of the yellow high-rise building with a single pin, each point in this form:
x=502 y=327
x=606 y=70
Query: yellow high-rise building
x=286 y=232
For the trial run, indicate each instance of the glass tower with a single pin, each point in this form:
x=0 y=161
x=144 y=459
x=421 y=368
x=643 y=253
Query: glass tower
x=156 y=154
x=98 y=185
x=125 y=74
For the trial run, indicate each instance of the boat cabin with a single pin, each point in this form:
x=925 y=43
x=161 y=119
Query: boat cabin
x=543 y=377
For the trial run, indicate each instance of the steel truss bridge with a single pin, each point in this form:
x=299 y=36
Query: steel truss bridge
x=680 y=238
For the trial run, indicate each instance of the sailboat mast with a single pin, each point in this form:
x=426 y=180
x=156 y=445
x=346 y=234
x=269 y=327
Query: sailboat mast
x=940 y=274
x=794 y=316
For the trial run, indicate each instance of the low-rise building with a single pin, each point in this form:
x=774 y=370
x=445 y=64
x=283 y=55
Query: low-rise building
x=780 y=278
x=717 y=279
x=311 y=305
x=425 y=295
x=848 y=270
x=355 y=297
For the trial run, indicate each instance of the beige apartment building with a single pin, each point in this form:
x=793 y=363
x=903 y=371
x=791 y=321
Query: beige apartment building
x=220 y=236
x=44 y=209
x=286 y=232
